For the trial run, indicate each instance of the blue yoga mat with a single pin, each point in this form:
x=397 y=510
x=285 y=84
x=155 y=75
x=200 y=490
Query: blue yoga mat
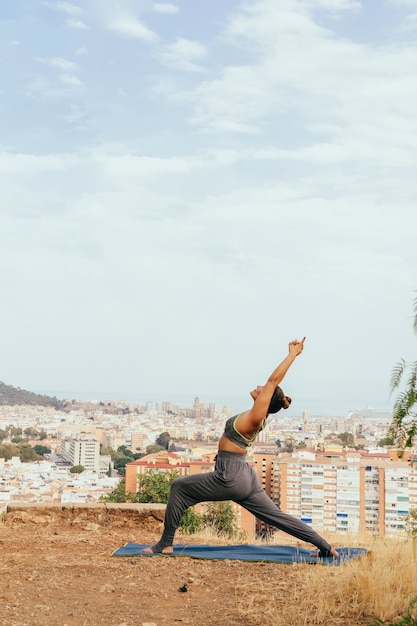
x=247 y=552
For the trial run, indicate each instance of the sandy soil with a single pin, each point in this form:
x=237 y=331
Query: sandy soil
x=56 y=568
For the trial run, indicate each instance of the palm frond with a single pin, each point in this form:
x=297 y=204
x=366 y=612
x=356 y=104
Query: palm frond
x=397 y=373
x=403 y=436
x=403 y=427
x=411 y=433
x=412 y=379
x=400 y=409
x=412 y=400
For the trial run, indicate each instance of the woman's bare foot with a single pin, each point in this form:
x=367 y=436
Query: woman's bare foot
x=334 y=553
x=149 y=551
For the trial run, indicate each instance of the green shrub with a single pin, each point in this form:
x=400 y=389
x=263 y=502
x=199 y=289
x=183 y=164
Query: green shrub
x=220 y=518
x=191 y=522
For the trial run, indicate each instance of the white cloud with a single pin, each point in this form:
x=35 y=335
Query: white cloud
x=300 y=195
x=331 y=5
x=122 y=17
x=129 y=26
x=364 y=94
x=183 y=55
x=65 y=89
x=165 y=8
x=66 y=85
x=76 y=23
x=77 y=117
x=236 y=101
x=59 y=63
x=65 y=7
x=71 y=80
x=261 y=23
x=404 y=3
x=410 y=23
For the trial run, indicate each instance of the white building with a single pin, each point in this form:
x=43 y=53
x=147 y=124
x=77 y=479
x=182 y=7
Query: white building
x=83 y=451
x=346 y=493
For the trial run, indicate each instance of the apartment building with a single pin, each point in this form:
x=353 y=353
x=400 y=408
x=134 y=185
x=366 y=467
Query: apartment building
x=139 y=441
x=349 y=493
x=336 y=492
x=264 y=465
x=83 y=451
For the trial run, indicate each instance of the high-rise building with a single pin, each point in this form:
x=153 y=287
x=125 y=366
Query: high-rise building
x=139 y=441
x=83 y=451
x=350 y=492
x=196 y=407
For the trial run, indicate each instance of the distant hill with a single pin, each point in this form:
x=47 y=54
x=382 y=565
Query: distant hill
x=14 y=395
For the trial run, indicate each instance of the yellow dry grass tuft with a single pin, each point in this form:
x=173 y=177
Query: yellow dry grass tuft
x=380 y=584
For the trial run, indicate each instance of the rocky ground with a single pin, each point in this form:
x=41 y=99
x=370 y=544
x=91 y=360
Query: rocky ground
x=56 y=568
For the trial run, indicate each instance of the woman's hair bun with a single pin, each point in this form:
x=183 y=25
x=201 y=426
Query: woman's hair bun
x=278 y=401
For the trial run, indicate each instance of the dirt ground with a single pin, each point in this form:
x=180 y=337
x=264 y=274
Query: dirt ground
x=56 y=568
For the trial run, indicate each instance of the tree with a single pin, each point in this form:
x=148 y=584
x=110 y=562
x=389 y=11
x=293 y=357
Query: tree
x=120 y=464
x=219 y=517
x=3 y=434
x=163 y=440
x=386 y=441
x=7 y=452
x=31 y=433
x=27 y=454
x=119 y=494
x=108 y=452
x=347 y=439
x=125 y=451
x=191 y=521
x=41 y=450
x=153 y=448
x=289 y=445
x=154 y=486
x=411 y=524
x=403 y=426
x=301 y=445
x=77 y=469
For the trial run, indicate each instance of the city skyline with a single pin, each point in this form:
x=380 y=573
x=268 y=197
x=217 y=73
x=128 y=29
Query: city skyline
x=187 y=187
x=314 y=406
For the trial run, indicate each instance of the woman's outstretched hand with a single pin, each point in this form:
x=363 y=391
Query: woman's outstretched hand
x=296 y=347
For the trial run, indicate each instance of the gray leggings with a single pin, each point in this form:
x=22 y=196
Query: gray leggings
x=232 y=479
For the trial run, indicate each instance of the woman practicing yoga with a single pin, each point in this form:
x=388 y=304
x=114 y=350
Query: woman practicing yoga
x=233 y=479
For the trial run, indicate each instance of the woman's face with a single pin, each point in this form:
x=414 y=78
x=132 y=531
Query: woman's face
x=255 y=392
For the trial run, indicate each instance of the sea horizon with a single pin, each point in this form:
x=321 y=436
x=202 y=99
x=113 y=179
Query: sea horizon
x=314 y=407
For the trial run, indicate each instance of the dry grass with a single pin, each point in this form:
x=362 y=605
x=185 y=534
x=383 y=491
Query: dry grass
x=380 y=584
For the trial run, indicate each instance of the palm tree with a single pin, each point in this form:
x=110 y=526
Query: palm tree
x=403 y=427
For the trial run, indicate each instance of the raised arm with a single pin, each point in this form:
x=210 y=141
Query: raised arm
x=251 y=420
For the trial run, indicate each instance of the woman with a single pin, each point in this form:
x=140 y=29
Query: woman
x=233 y=479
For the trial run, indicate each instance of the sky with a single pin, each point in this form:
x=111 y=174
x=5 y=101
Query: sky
x=187 y=186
